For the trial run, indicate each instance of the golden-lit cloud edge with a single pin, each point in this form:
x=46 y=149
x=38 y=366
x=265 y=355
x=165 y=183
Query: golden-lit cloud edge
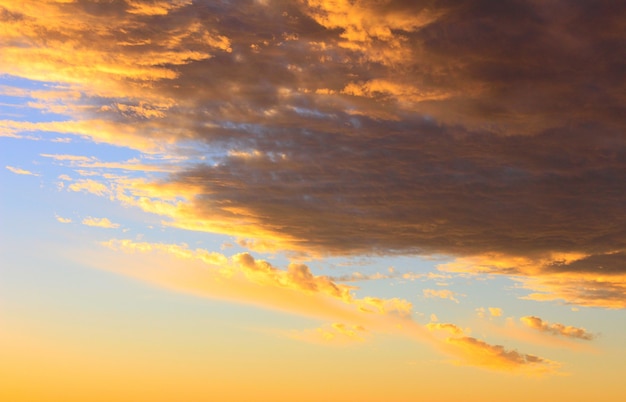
x=242 y=278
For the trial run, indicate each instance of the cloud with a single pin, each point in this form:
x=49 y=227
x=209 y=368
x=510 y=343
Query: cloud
x=495 y=311
x=100 y=223
x=574 y=278
x=243 y=278
x=352 y=128
x=556 y=328
x=71 y=158
x=442 y=294
x=62 y=219
x=20 y=171
x=89 y=186
x=479 y=353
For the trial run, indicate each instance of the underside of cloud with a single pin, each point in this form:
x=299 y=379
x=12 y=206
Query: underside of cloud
x=348 y=128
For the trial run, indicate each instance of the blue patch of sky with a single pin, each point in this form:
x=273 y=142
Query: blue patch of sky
x=14 y=100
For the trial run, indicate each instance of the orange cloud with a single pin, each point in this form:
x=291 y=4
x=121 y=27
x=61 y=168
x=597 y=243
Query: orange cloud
x=576 y=278
x=556 y=328
x=495 y=311
x=243 y=278
x=480 y=353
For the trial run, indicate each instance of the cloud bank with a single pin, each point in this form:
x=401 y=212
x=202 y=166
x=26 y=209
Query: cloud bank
x=465 y=129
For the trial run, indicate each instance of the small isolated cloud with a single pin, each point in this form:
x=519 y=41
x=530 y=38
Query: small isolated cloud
x=100 y=222
x=495 y=311
x=441 y=294
x=556 y=328
x=63 y=220
x=17 y=170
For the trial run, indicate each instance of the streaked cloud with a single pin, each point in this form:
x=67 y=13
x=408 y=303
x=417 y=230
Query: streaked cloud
x=244 y=278
x=21 y=171
x=573 y=278
x=556 y=328
x=480 y=353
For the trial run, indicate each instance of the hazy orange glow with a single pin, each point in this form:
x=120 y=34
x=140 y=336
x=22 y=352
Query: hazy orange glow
x=312 y=200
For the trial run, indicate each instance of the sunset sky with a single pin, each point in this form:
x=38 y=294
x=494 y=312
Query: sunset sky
x=312 y=200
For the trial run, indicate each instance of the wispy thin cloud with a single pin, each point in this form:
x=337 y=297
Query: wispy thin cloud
x=62 y=219
x=556 y=328
x=100 y=222
x=441 y=294
x=20 y=171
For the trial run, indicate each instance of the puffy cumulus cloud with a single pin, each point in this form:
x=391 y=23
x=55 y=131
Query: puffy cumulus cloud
x=556 y=328
x=100 y=223
x=345 y=128
x=479 y=353
x=297 y=276
x=441 y=294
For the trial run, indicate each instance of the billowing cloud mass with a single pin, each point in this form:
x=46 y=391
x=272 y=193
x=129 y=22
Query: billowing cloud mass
x=345 y=128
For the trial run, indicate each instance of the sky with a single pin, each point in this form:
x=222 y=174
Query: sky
x=309 y=200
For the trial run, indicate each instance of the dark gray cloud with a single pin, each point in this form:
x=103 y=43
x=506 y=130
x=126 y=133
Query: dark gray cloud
x=522 y=153
x=382 y=127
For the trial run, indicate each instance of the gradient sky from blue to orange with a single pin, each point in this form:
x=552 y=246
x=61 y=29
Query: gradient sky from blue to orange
x=310 y=200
